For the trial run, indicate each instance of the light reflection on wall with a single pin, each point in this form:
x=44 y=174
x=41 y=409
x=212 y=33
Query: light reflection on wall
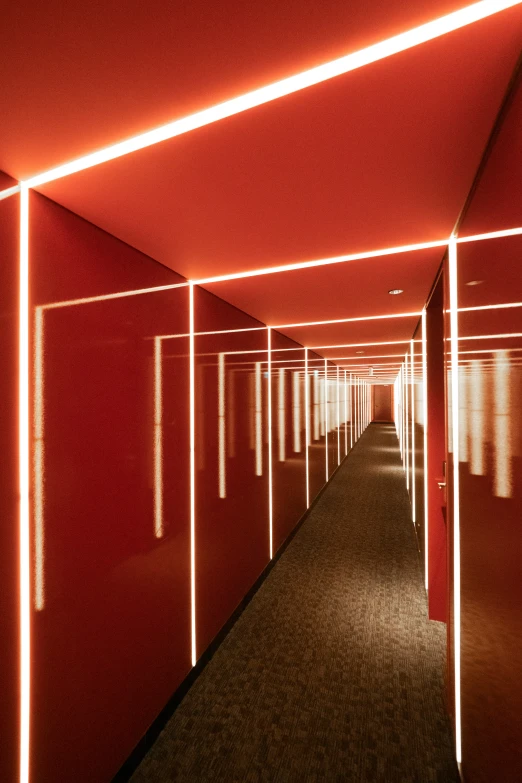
x=502 y=476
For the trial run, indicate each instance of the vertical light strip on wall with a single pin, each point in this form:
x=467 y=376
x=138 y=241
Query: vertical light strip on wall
x=453 y=282
x=158 y=439
x=317 y=409
x=297 y=410
x=38 y=460
x=307 y=427
x=351 y=410
x=222 y=452
x=259 y=419
x=345 y=416
x=25 y=544
x=270 y=498
x=192 y=475
x=338 y=421
x=425 y=417
x=413 y=482
x=326 y=416
x=407 y=408
x=281 y=415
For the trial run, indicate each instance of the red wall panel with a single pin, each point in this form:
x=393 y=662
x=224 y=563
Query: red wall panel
x=232 y=511
x=289 y=465
x=111 y=599
x=9 y=551
x=490 y=456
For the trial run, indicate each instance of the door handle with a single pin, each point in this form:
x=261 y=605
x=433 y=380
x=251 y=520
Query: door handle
x=441 y=484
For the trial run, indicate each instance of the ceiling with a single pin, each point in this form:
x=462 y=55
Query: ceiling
x=382 y=156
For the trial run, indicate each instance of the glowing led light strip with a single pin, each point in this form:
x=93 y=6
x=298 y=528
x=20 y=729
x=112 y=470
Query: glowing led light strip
x=221 y=427
x=25 y=544
x=270 y=494
x=158 y=440
x=345 y=416
x=509 y=232
x=357 y=345
x=307 y=428
x=351 y=411
x=10 y=192
x=38 y=460
x=297 y=411
x=425 y=417
x=259 y=420
x=388 y=251
x=326 y=415
x=281 y=414
x=452 y=255
x=338 y=422
x=119 y=295
x=347 y=320
x=342 y=65
x=505 y=336
x=192 y=479
x=413 y=482
x=490 y=307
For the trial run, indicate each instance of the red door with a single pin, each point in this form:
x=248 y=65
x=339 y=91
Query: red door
x=382 y=403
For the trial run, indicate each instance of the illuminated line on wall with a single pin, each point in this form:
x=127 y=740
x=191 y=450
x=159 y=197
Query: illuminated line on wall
x=502 y=445
x=342 y=65
x=505 y=336
x=10 y=192
x=307 y=428
x=509 y=232
x=119 y=295
x=326 y=416
x=425 y=416
x=351 y=410
x=281 y=414
x=158 y=440
x=389 y=251
x=25 y=542
x=192 y=479
x=338 y=422
x=348 y=320
x=490 y=307
x=452 y=255
x=345 y=416
x=222 y=450
x=316 y=405
x=362 y=345
x=259 y=419
x=270 y=491
x=38 y=461
x=413 y=481
x=297 y=412
x=477 y=417
x=407 y=412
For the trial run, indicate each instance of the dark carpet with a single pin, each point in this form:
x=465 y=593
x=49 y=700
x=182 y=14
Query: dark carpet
x=333 y=672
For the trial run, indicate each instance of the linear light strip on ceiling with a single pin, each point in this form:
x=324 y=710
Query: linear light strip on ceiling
x=321 y=73
x=10 y=192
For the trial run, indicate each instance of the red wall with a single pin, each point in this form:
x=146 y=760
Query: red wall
x=9 y=633
x=111 y=609
x=490 y=419
x=112 y=639
x=437 y=531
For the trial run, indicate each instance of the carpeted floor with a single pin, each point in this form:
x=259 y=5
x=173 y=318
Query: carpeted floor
x=333 y=672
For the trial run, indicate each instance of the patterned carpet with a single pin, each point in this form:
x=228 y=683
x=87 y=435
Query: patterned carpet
x=332 y=673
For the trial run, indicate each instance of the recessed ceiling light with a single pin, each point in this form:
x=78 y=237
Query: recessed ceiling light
x=359 y=351
x=395 y=291
x=474 y=282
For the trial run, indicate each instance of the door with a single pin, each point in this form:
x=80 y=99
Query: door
x=382 y=403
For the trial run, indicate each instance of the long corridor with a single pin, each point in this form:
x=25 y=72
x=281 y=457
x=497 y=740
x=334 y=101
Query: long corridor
x=332 y=672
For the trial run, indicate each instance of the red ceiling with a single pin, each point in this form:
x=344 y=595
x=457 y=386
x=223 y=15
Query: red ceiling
x=81 y=75
x=382 y=156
